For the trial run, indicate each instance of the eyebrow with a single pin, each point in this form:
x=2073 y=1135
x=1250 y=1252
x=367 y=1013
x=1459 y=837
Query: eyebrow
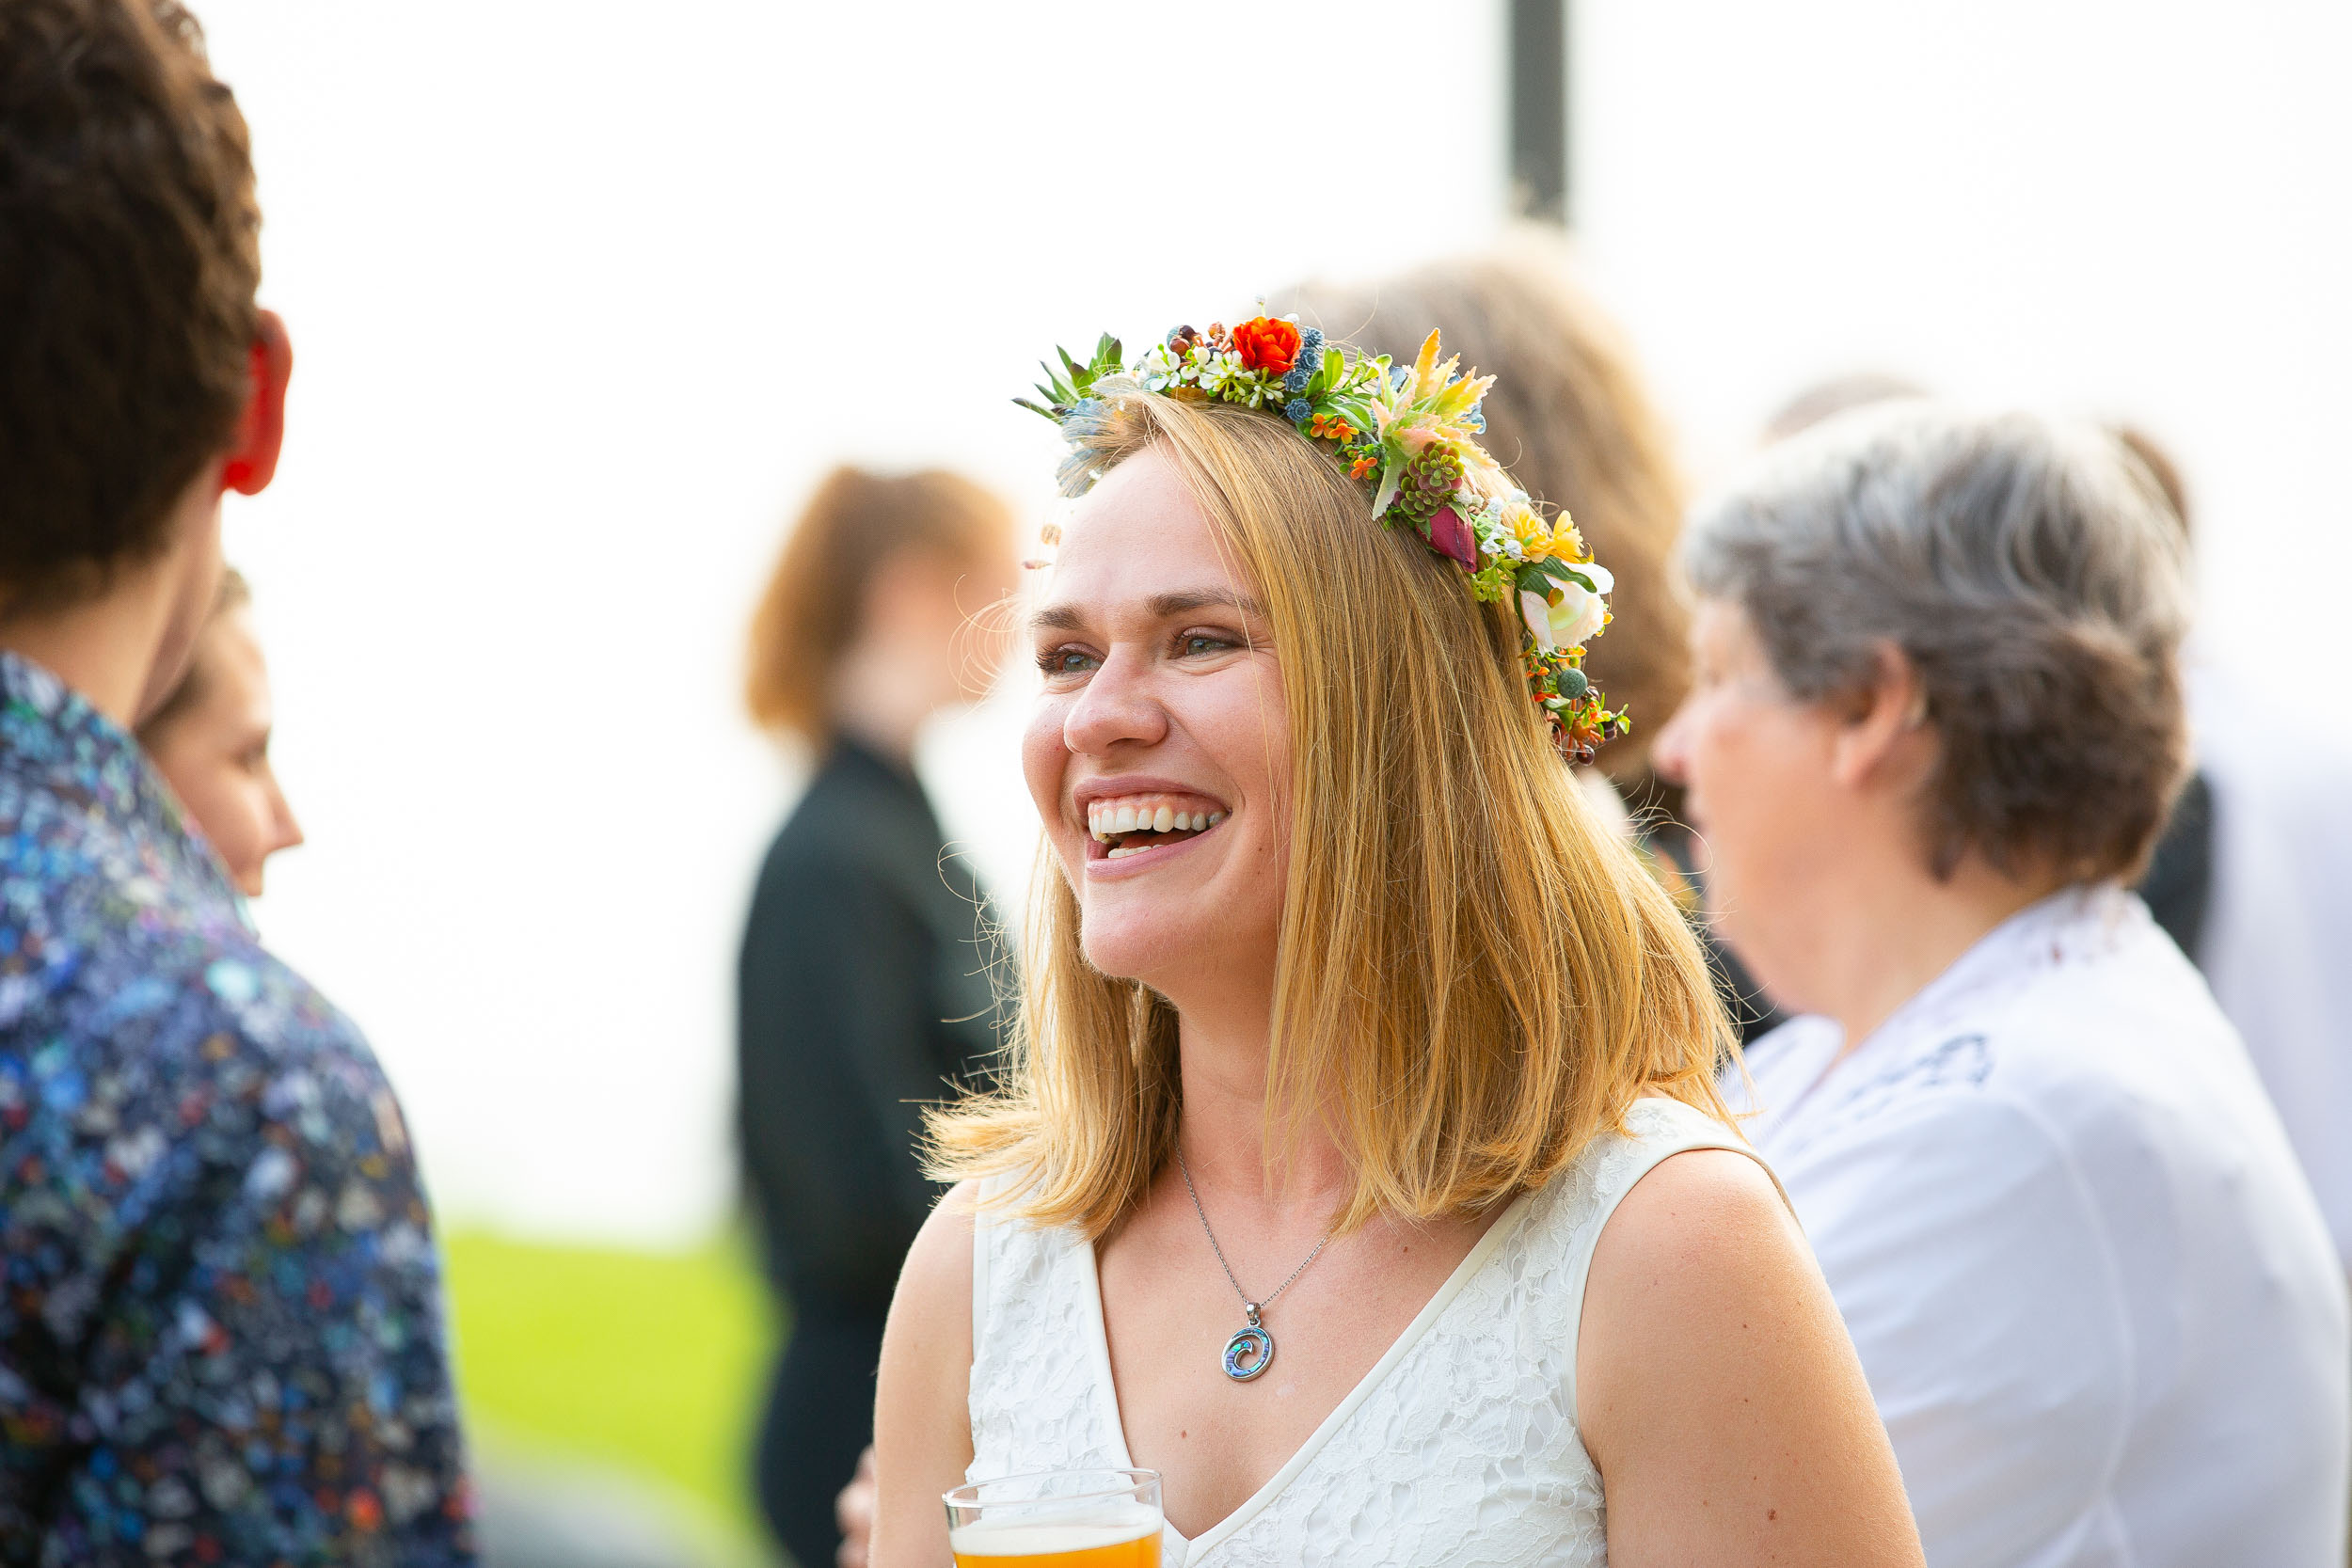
x=1163 y=607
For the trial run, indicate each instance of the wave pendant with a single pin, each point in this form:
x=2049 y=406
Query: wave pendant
x=1250 y=1351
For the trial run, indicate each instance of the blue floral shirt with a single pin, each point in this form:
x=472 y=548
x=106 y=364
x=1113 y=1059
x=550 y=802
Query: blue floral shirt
x=221 y=1336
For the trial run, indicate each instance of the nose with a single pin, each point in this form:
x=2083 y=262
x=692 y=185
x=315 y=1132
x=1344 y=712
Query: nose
x=1116 y=708
x=1670 y=754
x=285 y=832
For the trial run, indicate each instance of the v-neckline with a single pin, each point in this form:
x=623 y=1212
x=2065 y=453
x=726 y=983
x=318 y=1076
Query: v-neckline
x=1099 y=1349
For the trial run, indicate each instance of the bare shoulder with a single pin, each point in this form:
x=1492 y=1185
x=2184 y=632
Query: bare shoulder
x=1712 y=1365
x=922 y=1426
x=1686 y=1211
x=1699 y=1257
x=935 y=1281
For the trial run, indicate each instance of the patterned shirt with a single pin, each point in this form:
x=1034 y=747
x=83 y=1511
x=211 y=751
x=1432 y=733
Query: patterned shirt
x=221 y=1336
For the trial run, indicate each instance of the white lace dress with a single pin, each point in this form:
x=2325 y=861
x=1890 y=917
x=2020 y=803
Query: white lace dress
x=1458 y=1448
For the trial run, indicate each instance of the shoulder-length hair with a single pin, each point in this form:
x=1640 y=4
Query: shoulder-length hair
x=1475 y=976
x=856 y=524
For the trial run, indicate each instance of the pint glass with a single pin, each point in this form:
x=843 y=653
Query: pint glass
x=1057 y=1520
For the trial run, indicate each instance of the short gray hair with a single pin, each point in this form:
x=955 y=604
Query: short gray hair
x=2025 y=568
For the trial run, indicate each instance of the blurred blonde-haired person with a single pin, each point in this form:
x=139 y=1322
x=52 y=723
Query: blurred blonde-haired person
x=1572 y=417
x=210 y=740
x=863 y=982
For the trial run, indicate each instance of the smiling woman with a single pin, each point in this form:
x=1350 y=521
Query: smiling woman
x=1436 y=821
x=1351 y=1038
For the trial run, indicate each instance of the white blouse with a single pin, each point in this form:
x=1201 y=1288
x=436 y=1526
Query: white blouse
x=1458 y=1448
x=2095 y=1301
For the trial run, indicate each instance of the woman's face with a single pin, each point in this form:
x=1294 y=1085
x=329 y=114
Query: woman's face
x=1758 y=768
x=215 y=755
x=1158 y=755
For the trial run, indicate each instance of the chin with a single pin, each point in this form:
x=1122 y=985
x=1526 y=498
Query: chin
x=1113 y=944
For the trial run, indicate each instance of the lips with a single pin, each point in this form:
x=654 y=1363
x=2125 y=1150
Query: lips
x=1128 y=817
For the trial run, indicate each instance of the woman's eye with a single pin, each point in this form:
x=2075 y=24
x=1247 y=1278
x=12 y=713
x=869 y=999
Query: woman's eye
x=1203 y=642
x=1065 y=661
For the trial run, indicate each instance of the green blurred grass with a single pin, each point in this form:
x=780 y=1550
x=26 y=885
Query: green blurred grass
x=651 y=1363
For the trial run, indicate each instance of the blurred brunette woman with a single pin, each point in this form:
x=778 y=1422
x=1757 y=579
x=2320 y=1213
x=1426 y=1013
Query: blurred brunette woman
x=1936 y=728
x=1359 y=1166
x=864 y=987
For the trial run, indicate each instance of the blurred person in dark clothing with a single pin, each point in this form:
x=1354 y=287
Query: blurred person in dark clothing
x=210 y=740
x=865 y=980
x=1570 y=416
x=222 y=1335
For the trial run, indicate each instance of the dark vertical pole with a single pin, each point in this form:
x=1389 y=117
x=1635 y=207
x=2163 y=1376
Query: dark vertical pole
x=1540 y=109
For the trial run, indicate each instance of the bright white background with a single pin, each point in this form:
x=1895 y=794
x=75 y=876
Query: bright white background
x=586 y=296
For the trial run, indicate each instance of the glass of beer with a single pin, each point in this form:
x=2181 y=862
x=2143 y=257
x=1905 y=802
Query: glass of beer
x=1057 y=1520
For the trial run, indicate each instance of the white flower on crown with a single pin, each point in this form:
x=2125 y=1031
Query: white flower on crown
x=1577 y=616
x=1158 y=368
x=1220 y=371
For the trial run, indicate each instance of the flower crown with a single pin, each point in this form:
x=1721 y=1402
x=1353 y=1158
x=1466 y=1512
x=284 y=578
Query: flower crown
x=1409 y=436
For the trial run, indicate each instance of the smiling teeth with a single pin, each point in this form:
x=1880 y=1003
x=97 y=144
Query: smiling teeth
x=1109 y=821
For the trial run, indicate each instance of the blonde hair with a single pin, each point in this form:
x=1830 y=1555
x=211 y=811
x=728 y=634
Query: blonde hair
x=1474 y=974
x=1570 y=418
x=853 y=525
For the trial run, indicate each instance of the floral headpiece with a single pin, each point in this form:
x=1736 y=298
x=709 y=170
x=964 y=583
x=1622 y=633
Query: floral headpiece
x=1409 y=436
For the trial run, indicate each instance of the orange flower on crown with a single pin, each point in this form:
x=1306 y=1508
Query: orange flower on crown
x=1266 y=344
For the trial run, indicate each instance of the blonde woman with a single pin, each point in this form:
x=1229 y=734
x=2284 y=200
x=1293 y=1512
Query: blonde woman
x=1359 y=1168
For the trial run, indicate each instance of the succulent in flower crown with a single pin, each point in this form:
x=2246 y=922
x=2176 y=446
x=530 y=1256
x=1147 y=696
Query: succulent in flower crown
x=1408 y=434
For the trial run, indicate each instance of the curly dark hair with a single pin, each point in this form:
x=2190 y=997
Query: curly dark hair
x=129 y=259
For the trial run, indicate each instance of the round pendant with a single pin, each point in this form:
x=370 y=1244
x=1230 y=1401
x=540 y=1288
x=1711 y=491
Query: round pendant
x=1249 y=1352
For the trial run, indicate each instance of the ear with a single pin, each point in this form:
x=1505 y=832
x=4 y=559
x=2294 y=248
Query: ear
x=252 y=462
x=1884 y=725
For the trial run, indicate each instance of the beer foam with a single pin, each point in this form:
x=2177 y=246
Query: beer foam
x=1113 y=1526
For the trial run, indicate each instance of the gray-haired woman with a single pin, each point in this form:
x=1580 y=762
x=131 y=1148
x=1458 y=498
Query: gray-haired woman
x=1937 y=723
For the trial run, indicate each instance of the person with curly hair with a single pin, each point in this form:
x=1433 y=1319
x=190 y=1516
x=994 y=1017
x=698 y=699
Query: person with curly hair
x=222 y=1340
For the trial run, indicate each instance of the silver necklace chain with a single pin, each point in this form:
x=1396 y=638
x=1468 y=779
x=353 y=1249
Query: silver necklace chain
x=1251 y=1308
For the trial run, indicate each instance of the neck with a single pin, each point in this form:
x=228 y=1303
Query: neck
x=113 y=651
x=1886 y=944
x=881 y=699
x=124 y=649
x=1222 y=1045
